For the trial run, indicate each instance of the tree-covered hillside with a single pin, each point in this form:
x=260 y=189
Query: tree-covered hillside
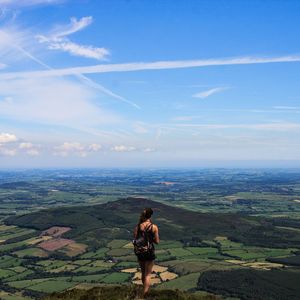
x=95 y=225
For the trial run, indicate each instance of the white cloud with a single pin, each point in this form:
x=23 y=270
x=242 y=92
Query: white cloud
x=207 y=93
x=94 y=147
x=122 y=148
x=67 y=146
x=73 y=27
x=80 y=50
x=159 y=65
x=58 y=40
x=10 y=148
x=7 y=138
x=25 y=145
x=29 y=148
x=2 y=66
x=76 y=148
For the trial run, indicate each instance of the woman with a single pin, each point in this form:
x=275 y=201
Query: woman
x=149 y=231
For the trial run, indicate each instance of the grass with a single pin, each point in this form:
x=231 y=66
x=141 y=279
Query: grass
x=116 y=277
x=127 y=292
x=51 y=286
x=95 y=278
x=168 y=245
x=21 y=284
x=82 y=262
x=187 y=266
x=74 y=249
x=101 y=263
x=180 y=252
x=9 y=261
x=183 y=267
x=33 y=252
x=202 y=250
x=64 y=268
x=119 y=252
x=126 y=264
x=99 y=253
x=18 y=269
x=19 y=276
x=186 y=282
x=12 y=246
x=11 y=296
x=89 y=269
x=6 y=273
x=257 y=253
x=50 y=265
x=117 y=243
x=16 y=232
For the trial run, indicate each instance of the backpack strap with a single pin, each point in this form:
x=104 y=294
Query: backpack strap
x=148 y=233
x=148 y=227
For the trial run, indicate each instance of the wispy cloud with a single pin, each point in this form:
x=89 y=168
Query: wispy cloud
x=123 y=148
x=207 y=93
x=287 y=107
x=80 y=50
x=159 y=65
x=23 y=3
x=14 y=42
x=58 y=40
x=73 y=27
x=259 y=126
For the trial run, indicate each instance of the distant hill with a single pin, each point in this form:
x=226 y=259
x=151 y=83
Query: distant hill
x=95 y=225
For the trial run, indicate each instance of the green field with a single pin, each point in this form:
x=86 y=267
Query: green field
x=33 y=252
x=185 y=282
x=116 y=277
x=52 y=286
x=210 y=221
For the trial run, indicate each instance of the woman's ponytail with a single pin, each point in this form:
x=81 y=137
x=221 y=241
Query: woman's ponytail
x=145 y=215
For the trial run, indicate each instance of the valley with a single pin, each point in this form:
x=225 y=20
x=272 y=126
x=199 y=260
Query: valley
x=86 y=242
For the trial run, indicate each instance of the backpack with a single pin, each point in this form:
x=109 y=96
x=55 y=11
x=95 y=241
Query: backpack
x=143 y=244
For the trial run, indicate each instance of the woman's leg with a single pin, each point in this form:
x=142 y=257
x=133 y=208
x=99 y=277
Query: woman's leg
x=148 y=270
x=142 y=266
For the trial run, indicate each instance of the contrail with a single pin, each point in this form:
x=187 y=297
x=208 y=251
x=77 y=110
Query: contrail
x=96 y=85
x=80 y=76
x=159 y=65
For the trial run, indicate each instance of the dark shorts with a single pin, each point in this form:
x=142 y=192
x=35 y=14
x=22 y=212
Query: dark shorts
x=146 y=256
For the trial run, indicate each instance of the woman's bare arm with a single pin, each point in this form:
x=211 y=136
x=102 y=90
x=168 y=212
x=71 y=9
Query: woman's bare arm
x=135 y=232
x=156 y=235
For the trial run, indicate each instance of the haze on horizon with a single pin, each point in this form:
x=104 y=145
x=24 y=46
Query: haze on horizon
x=149 y=83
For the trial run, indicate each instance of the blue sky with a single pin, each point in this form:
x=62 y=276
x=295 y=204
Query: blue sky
x=149 y=83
